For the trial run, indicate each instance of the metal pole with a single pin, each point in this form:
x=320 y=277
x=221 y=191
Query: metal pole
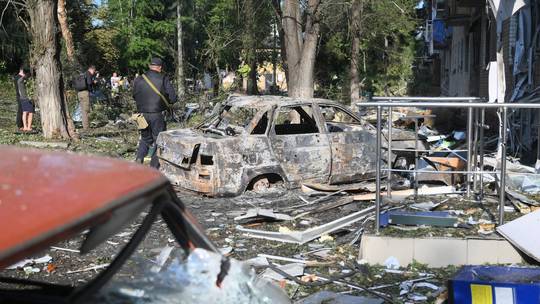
x=450 y=105
x=389 y=164
x=481 y=151
x=475 y=151
x=425 y=98
x=502 y=188
x=415 y=158
x=378 y=174
x=469 y=149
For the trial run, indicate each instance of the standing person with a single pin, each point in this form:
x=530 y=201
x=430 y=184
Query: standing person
x=115 y=82
x=84 y=95
x=153 y=92
x=16 y=78
x=27 y=106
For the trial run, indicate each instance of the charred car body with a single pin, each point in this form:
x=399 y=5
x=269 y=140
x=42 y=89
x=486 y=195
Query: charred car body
x=269 y=138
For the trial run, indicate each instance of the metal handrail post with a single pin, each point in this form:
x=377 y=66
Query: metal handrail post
x=469 y=149
x=416 y=155
x=502 y=188
x=378 y=173
x=475 y=152
x=389 y=163
x=481 y=151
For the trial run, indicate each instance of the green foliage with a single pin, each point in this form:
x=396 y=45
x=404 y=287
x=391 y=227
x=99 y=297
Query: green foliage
x=141 y=30
x=386 y=47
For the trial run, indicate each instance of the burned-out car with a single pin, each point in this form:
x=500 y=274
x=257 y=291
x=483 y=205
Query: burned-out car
x=253 y=141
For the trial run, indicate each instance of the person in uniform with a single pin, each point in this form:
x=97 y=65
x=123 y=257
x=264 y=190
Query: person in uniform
x=153 y=94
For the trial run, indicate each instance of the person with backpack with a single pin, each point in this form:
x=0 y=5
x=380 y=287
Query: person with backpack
x=153 y=93
x=84 y=84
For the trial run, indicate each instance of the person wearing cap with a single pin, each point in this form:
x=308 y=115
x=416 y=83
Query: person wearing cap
x=149 y=90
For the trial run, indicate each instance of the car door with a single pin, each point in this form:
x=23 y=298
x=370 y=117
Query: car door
x=299 y=145
x=353 y=147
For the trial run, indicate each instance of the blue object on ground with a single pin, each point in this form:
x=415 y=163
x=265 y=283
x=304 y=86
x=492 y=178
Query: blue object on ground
x=495 y=285
x=428 y=218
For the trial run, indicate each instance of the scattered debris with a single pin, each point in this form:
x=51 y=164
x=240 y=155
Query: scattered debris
x=302 y=237
x=293 y=269
x=258 y=213
x=391 y=263
x=329 y=297
x=42 y=260
x=97 y=267
x=401 y=194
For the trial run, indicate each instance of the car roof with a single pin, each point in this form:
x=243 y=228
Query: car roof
x=46 y=197
x=269 y=100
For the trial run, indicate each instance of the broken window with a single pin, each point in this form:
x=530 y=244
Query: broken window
x=236 y=116
x=295 y=120
x=337 y=120
x=261 y=126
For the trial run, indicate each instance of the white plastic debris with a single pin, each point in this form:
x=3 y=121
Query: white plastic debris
x=391 y=263
x=30 y=270
x=426 y=285
x=42 y=260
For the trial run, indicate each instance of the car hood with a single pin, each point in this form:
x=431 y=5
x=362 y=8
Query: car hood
x=182 y=146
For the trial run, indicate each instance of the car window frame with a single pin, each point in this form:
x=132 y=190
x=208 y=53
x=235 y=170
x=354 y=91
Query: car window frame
x=316 y=117
x=361 y=122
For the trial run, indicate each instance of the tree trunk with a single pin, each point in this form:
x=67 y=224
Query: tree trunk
x=250 y=44
x=45 y=59
x=356 y=15
x=66 y=33
x=300 y=46
x=180 y=54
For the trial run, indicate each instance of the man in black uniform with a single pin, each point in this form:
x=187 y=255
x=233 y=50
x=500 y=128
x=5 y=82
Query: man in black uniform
x=153 y=93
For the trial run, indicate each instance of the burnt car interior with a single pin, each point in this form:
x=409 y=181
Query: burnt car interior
x=161 y=201
x=231 y=121
x=337 y=120
x=295 y=120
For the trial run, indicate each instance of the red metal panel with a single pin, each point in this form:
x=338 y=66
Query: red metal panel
x=49 y=195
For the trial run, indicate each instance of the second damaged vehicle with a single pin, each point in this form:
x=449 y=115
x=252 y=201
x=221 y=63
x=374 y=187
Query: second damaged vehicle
x=254 y=141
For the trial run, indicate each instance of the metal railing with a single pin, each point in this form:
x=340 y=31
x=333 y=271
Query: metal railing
x=475 y=138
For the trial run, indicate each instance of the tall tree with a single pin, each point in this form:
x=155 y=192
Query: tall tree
x=66 y=32
x=300 y=29
x=355 y=27
x=250 y=45
x=45 y=60
x=180 y=53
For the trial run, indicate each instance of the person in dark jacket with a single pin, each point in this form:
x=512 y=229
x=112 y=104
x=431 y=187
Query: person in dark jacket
x=152 y=105
x=84 y=96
